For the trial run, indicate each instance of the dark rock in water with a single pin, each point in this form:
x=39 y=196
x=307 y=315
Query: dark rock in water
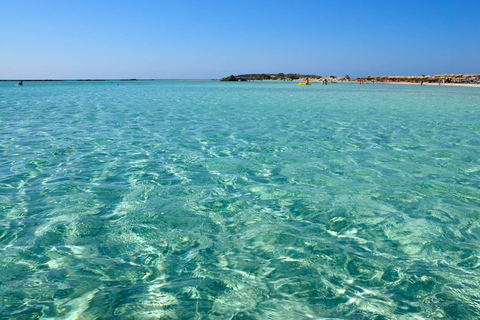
x=231 y=78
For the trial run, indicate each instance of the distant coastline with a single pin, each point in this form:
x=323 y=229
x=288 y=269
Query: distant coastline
x=467 y=80
x=31 y=80
x=444 y=79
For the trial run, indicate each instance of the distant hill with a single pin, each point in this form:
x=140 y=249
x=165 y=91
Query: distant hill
x=248 y=75
x=268 y=76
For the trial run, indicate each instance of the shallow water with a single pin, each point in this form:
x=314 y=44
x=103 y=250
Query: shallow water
x=258 y=200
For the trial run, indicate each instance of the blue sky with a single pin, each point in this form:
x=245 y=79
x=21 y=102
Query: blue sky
x=76 y=39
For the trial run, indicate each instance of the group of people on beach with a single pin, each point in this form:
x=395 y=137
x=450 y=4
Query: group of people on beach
x=307 y=82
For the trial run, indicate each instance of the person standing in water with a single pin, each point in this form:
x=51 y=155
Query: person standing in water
x=306 y=81
x=20 y=83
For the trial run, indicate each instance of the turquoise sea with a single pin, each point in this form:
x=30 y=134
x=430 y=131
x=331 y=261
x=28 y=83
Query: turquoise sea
x=253 y=200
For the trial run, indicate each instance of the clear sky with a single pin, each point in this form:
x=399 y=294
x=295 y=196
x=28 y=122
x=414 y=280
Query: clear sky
x=77 y=39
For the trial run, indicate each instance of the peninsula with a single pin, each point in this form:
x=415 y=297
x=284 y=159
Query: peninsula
x=452 y=79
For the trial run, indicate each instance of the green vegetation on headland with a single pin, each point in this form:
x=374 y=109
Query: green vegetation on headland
x=263 y=76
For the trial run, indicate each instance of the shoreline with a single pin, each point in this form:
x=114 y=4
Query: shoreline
x=471 y=85
x=331 y=81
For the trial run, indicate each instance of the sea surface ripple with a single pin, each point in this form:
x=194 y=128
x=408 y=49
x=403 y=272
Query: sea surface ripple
x=258 y=200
